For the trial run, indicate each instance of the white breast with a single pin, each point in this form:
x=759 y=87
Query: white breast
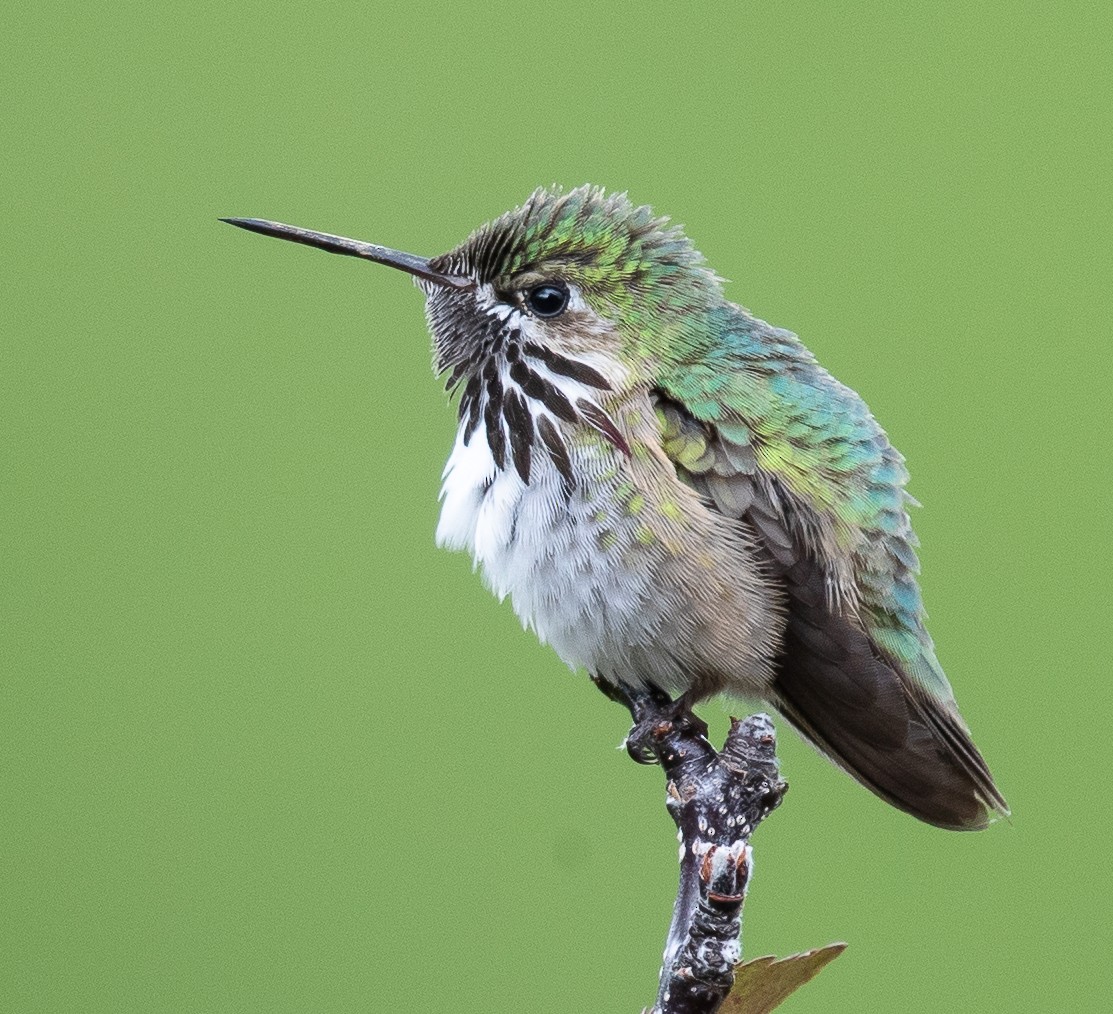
x=542 y=548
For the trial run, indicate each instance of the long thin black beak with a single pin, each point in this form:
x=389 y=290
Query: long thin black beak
x=410 y=263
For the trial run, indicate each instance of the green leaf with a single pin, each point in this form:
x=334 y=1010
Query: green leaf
x=764 y=983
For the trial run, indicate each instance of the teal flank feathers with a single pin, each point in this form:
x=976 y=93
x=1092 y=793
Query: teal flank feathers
x=672 y=492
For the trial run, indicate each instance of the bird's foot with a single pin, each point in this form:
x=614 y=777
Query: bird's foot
x=655 y=715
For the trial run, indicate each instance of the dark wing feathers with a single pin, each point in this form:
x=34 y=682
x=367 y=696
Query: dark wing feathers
x=833 y=681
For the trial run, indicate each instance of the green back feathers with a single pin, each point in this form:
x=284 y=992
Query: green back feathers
x=819 y=439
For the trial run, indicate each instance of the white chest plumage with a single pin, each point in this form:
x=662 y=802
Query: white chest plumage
x=541 y=545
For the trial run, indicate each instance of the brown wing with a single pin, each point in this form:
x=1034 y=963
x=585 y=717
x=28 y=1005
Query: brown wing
x=833 y=682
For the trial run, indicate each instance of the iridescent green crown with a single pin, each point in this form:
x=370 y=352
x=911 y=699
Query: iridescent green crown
x=596 y=238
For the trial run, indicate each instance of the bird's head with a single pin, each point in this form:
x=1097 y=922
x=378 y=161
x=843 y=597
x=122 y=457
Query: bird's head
x=582 y=277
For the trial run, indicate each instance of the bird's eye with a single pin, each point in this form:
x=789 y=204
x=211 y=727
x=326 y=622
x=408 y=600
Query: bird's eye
x=548 y=300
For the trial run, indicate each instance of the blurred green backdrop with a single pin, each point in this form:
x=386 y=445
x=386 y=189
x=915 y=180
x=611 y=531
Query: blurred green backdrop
x=263 y=747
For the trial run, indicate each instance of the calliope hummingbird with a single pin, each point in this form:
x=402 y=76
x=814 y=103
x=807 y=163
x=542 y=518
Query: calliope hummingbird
x=675 y=494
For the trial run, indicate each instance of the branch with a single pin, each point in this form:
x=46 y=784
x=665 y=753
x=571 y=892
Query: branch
x=716 y=801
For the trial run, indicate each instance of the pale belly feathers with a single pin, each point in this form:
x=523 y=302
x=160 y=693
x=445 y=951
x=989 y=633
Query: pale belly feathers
x=544 y=550
x=609 y=592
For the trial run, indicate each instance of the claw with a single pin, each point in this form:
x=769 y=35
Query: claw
x=654 y=713
x=639 y=750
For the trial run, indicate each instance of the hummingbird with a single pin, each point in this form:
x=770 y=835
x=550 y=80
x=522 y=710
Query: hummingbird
x=675 y=495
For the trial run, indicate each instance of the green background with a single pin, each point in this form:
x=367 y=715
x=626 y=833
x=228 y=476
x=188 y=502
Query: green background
x=264 y=748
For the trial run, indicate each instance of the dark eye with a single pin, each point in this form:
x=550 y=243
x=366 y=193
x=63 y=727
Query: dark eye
x=548 y=300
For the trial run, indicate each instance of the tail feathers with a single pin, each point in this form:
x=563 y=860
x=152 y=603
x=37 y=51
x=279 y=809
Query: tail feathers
x=949 y=729
x=912 y=750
